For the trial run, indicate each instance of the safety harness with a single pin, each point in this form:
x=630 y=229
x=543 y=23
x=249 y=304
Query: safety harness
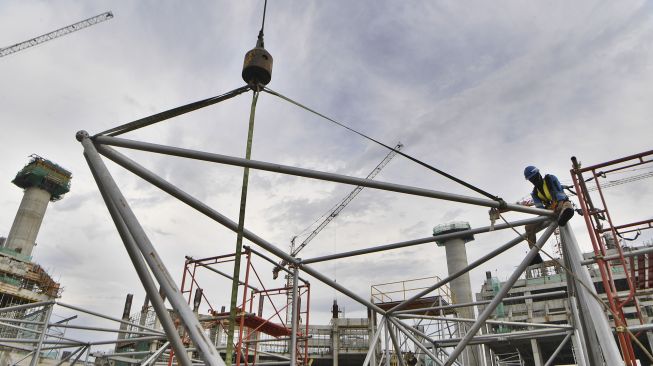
x=546 y=197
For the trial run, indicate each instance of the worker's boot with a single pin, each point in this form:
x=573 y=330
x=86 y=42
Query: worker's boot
x=566 y=213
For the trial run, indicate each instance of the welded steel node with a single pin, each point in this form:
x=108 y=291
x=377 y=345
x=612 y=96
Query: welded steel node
x=81 y=134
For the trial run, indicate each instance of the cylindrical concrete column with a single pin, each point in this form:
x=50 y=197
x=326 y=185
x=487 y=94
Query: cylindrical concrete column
x=22 y=236
x=461 y=287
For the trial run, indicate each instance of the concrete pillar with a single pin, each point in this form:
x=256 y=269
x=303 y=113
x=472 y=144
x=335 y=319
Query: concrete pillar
x=461 y=287
x=22 y=236
x=125 y=316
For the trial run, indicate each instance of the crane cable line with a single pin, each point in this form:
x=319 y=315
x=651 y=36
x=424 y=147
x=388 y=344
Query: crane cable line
x=428 y=166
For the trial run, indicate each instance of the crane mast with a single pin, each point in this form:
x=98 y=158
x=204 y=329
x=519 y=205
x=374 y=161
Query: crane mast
x=56 y=34
x=341 y=206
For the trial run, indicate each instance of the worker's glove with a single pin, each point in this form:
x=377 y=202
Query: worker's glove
x=495 y=214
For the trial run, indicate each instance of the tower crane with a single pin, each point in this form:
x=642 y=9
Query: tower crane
x=56 y=34
x=294 y=250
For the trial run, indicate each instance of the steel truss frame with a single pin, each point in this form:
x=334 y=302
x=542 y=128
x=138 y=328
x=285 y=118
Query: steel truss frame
x=146 y=259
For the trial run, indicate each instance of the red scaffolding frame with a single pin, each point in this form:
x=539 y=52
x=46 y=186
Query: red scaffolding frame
x=599 y=222
x=252 y=323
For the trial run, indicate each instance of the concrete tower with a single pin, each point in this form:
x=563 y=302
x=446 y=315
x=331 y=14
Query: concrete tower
x=43 y=181
x=461 y=288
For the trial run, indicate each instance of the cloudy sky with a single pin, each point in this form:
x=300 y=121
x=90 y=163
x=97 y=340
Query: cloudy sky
x=477 y=89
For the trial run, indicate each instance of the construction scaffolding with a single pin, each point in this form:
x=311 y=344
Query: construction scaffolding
x=605 y=234
x=263 y=328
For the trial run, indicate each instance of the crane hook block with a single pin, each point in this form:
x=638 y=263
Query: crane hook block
x=257 y=68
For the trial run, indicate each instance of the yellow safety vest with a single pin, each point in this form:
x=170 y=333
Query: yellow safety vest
x=546 y=196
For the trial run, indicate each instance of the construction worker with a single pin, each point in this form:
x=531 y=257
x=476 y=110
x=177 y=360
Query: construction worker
x=547 y=193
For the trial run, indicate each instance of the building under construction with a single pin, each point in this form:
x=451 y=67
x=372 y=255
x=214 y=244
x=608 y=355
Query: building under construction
x=23 y=282
x=574 y=308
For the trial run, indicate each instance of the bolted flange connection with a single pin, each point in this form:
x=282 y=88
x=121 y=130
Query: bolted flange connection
x=81 y=134
x=257 y=68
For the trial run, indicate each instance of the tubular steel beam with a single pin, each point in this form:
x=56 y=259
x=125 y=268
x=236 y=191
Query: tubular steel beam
x=144 y=275
x=375 y=338
x=448 y=279
x=129 y=340
x=64 y=359
x=156 y=354
x=26 y=306
x=308 y=173
x=156 y=266
x=416 y=341
x=86 y=348
x=295 y=316
x=498 y=322
x=639 y=156
x=37 y=351
x=551 y=294
x=397 y=347
x=489 y=338
x=503 y=291
x=10 y=320
x=98 y=329
x=430 y=239
x=225 y=275
x=225 y=221
x=174 y=112
x=90 y=312
x=555 y=353
x=586 y=301
x=268 y=259
x=610 y=257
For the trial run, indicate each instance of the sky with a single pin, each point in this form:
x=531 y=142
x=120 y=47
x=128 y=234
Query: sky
x=476 y=89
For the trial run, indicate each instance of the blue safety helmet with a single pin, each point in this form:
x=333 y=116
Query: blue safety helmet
x=530 y=172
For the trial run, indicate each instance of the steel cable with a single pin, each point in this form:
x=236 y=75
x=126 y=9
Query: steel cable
x=174 y=112
x=428 y=166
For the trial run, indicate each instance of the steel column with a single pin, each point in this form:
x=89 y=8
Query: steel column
x=209 y=353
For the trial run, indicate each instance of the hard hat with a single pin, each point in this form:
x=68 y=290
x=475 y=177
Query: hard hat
x=530 y=172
